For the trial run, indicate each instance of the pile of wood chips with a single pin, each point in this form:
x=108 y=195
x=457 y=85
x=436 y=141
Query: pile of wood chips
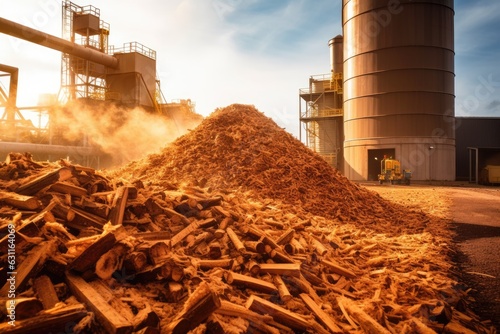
x=235 y=228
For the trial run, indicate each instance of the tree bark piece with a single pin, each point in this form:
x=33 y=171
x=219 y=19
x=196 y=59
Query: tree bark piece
x=46 y=292
x=250 y=282
x=279 y=314
x=110 y=319
x=365 y=321
x=320 y=315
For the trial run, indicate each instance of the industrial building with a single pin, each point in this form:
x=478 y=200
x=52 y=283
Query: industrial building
x=396 y=96
x=93 y=74
x=390 y=92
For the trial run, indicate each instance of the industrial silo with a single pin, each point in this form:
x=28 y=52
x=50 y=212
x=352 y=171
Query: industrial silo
x=399 y=87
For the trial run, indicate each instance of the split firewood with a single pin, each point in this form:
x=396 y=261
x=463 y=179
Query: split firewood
x=27 y=269
x=288 y=269
x=318 y=246
x=67 y=188
x=256 y=320
x=108 y=317
x=255 y=246
x=46 y=292
x=19 y=201
x=20 y=308
x=34 y=186
x=320 y=315
x=118 y=205
x=110 y=261
x=339 y=269
x=369 y=324
x=88 y=258
x=235 y=240
x=282 y=289
x=197 y=308
x=147 y=318
x=220 y=263
x=55 y=320
x=184 y=233
x=250 y=282
x=279 y=314
x=286 y=237
x=82 y=220
x=107 y=294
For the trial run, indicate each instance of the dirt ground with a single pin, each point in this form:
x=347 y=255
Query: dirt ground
x=474 y=213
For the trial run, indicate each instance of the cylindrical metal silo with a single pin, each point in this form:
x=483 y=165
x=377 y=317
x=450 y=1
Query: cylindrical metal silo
x=336 y=45
x=399 y=86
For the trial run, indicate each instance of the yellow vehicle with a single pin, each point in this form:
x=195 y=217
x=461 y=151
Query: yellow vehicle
x=390 y=171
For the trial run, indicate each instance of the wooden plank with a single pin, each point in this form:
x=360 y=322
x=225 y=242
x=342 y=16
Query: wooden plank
x=279 y=314
x=320 y=315
x=108 y=317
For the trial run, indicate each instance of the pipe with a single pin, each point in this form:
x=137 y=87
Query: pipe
x=78 y=151
x=31 y=35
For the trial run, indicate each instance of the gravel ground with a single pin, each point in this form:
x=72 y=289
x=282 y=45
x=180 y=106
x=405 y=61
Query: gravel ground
x=474 y=213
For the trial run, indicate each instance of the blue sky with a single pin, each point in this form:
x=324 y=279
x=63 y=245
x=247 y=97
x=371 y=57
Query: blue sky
x=260 y=52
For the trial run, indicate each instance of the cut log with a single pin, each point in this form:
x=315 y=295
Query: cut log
x=50 y=321
x=366 y=322
x=19 y=201
x=46 y=292
x=83 y=220
x=318 y=246
x=320 y=315
x=288 y=269
x=108 y=317
x=34 y=186
x=255 y=246
x=184 y=233
x=279 y=314
x=250 y=282
x=135 y=261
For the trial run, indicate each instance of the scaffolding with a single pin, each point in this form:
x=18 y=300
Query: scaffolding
x=321 y=116
x=82 y=78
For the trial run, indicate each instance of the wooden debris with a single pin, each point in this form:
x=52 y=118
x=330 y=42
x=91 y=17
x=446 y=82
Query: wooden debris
x=320 y=315
x=250 y=282
x=19 y=201
x=46 y=292
x=110 y=319
x=365 y=321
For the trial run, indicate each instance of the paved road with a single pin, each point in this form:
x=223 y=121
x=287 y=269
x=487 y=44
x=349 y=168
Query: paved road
x=476 y=215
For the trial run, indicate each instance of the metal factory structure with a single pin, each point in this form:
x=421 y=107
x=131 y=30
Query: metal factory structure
x=398 y=89
x=92 y=72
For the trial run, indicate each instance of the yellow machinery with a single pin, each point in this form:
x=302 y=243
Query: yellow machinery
x=390 y=171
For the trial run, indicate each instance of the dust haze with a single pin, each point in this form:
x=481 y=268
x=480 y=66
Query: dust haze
x=123 y=133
